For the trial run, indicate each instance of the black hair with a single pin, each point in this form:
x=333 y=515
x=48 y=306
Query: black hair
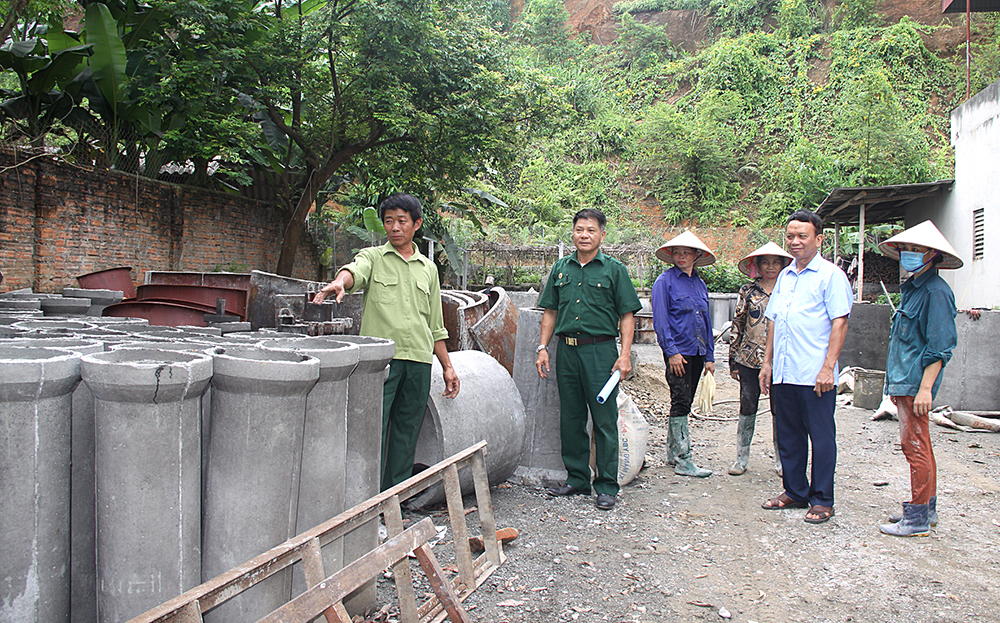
x=401 y=201
x=807 y=216
x=593 y=214
x=937 y=258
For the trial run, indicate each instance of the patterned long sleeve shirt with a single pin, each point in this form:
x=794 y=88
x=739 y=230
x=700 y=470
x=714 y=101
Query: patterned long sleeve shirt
x=749 y=329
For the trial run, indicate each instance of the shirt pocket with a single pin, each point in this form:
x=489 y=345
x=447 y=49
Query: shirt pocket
x=599 y=292
x=906 y=326
x=384 y=288
x=422 y=295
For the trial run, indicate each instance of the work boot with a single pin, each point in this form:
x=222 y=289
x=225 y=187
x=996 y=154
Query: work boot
x=680 y=442
x=671 y=459
x=913 y=523
x=744 y=435
x=932 y=518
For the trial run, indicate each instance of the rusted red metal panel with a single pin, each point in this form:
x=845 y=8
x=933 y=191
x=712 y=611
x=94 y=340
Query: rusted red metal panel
x=236 y=300
x=496 y=333
x=234 y=281
x=160 y=313
x=118 y=279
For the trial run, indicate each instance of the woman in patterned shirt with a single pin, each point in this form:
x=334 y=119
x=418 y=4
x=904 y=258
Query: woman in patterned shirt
x=749 y=338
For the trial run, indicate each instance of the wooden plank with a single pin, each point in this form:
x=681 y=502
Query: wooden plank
x=401 y=570
x=231 y=583
x=312 y=566
x=442 y=588
x=332 y=590
x=487 y=522
x=459 y=529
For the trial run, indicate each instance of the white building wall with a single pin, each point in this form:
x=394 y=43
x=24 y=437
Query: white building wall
x=975 y=135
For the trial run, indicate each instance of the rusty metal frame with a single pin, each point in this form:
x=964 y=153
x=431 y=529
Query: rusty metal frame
x=472 y=572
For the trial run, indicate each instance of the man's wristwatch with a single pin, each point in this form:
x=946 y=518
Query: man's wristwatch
x=541 y=347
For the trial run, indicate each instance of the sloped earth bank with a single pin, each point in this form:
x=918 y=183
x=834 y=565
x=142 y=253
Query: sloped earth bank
x=683 y=549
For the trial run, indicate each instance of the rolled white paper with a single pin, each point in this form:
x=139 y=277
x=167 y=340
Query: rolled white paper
x=610 y=385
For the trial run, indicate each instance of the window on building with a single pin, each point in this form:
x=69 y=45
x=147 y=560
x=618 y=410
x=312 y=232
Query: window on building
x=978 y=233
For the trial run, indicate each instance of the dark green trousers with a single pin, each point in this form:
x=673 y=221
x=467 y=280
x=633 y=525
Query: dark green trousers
x=404 y=401
x=581 y=372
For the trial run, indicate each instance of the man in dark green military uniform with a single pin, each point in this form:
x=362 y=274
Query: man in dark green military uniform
x=588 y=298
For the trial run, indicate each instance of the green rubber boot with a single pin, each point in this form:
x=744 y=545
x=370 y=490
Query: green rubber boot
x=744 y=435
x=680 y=442
x=671 y=459
x=932 y=518
x=913 y=523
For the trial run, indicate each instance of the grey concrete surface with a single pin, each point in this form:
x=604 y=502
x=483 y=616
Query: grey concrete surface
x=36 y=387
x=324 y=444
x=488 y=407
x=148 y=478
x=971 y=380
x=83 y=560
x=867 y=342
x=364 y=448
x=541 y=456
x=254 y=459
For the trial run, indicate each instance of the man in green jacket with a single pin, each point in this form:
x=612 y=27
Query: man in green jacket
x=588 y=298
x=402 y=302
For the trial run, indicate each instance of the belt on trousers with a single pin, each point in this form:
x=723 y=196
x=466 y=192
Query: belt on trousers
x=581 y=341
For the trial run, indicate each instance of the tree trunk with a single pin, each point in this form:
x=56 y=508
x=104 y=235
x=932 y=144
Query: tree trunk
x=296 y=224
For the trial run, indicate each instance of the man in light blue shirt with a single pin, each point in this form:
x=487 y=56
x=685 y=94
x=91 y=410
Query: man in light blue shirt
x=807 y=323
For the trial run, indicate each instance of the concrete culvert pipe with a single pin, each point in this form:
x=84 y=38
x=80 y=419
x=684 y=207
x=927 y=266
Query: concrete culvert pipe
x=83 y=561
x=148 y=485
x=254 y=461
x=324 y=443
x=488 y=406
x=36 y=386
x=364 y=448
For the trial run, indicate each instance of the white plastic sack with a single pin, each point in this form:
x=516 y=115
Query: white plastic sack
x=706 y=395
x=633 y=432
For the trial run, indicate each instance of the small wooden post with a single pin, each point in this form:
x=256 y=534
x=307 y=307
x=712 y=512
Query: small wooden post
x=861 y=252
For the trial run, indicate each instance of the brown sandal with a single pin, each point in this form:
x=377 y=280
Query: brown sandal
x=820 y=514
x=782 y=501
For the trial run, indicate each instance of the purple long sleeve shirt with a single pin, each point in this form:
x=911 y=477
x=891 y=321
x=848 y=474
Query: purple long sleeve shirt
x=680 y=314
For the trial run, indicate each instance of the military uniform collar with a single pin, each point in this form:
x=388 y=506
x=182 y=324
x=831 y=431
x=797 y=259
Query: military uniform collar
x=920 y=280
x=600 y=257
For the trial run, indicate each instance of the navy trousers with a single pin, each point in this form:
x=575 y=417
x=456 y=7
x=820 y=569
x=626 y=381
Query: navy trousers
x=801 y=416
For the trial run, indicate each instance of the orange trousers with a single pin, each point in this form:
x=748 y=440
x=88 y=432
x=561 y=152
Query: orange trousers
x=915 y=439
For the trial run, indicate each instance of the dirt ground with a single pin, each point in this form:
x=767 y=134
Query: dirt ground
x=686 y=549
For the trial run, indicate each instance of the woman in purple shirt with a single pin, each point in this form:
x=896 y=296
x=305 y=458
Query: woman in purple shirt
x=684 y=332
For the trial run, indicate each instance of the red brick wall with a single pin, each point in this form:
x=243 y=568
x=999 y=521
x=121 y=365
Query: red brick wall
x=58 y=221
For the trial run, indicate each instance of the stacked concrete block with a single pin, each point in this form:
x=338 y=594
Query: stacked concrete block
x=148 y=477
x=36 y=387
x=324 y=446
x=254 y=459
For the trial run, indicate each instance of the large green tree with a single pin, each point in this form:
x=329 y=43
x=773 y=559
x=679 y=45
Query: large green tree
x=419 y=92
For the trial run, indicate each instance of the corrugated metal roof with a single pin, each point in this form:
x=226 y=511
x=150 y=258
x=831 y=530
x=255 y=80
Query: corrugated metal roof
x=883 y=204
x=975 y=6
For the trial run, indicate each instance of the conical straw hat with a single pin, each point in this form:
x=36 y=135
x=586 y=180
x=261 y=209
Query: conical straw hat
x=746 y=264
x=687 y=239
x=926 y=235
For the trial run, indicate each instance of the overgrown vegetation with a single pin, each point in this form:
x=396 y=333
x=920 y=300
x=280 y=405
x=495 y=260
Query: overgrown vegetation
x=505 y=127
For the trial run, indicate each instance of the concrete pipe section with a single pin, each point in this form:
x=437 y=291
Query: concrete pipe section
x=488 y=406
x=83 y=562
x=541 y=462
x=36 y=386
x=324 y=444
x=364 y=448
x=254 y=459
x=148 y=484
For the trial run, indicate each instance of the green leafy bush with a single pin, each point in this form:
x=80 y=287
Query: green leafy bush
x=722 y=277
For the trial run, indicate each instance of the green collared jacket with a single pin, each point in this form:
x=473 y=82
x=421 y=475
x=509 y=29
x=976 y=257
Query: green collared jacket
x=402 y=300
x=590 y=299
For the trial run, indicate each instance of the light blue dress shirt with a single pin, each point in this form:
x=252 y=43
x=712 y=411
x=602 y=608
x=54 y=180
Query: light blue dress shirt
x=803 y=307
